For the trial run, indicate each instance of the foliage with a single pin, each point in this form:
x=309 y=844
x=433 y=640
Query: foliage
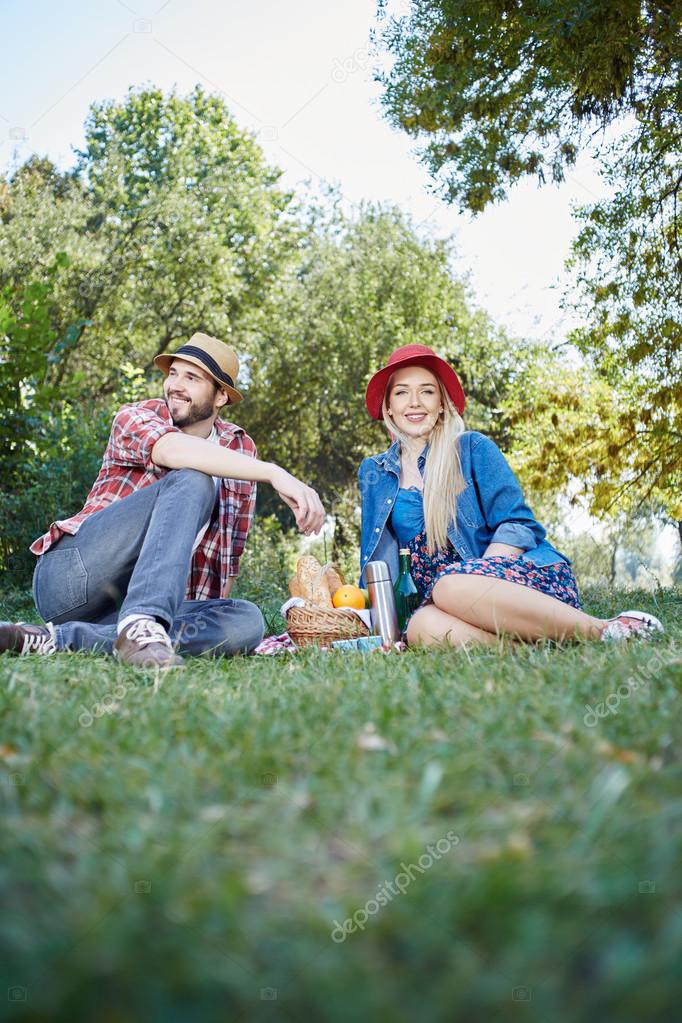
x=172 y=222
x=185 y=853
x=31 y=354
x=268 y=562
x=574 y=432
x=365 y=284
x=621 y=551
x=52 y=472
x=507 y=88
x=627 y=261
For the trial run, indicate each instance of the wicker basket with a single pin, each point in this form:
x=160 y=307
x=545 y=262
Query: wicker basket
x=313 y=626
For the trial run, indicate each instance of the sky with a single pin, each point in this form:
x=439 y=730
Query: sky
x=299 y=75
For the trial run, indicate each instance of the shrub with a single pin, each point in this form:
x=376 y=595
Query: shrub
x=52 y=482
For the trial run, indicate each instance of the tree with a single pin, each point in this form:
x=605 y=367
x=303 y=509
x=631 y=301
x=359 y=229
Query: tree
x=501 y=89
x=627 y=263
x=172 y=222
x=365 y=284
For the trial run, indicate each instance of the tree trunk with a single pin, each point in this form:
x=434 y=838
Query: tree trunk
x=614 y=552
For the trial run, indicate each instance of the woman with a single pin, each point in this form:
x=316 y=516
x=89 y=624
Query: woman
x=480 y=559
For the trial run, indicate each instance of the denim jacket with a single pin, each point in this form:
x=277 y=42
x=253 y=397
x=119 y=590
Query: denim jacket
x=490 y=509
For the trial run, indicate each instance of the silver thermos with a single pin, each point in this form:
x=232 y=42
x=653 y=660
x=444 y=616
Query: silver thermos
x=382 y=609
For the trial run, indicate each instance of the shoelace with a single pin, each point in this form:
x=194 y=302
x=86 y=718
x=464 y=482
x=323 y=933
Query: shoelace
x=617 y=628
x=38 y=643
x=145 y=632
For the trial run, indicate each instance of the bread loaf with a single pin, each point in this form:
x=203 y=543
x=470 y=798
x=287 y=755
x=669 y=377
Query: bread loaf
x=313 y=584
x=334 y=577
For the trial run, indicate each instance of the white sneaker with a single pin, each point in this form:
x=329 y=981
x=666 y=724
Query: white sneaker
x=631 y=625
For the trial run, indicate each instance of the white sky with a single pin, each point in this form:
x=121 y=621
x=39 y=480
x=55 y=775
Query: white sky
x=298 y=75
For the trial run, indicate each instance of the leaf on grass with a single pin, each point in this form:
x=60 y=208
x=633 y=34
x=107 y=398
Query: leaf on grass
x=519 y=845
x=214 y=812
x=623 y=756
x=431 y=779
x=551 y=738
x=370 y=741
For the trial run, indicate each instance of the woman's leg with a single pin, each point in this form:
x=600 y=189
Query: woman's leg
x=430 y=625
x=498 y=605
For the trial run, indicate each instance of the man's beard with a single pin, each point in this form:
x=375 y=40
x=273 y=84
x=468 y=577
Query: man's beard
x=192 y=413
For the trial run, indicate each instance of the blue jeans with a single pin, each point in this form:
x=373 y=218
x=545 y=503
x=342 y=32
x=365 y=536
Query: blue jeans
x=133 y=557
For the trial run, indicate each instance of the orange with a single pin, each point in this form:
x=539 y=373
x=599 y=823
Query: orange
x=349 y=596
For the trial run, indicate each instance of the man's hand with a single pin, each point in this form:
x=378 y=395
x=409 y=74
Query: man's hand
x=302 y=500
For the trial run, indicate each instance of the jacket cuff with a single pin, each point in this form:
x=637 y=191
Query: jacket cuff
x=233 y=564
x=515 y=534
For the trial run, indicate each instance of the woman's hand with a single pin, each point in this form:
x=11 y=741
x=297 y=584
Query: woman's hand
x=502 y=550
x=302 y=500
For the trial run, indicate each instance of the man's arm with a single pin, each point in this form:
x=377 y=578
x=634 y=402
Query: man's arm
x=227 y=588
x=182 y=451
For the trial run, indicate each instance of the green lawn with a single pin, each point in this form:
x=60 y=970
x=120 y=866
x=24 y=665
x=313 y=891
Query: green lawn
x=184 y=855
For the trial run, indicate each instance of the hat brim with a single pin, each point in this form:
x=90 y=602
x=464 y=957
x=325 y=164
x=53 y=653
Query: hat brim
x=164 y=363
x=376 y=388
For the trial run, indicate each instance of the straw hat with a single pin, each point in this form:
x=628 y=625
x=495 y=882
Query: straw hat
x=214 y=356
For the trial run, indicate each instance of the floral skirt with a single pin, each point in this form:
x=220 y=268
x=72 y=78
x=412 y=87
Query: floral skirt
x=555 y=580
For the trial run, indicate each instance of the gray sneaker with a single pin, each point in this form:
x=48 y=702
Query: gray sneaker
x=22 y=638
x=146 y=644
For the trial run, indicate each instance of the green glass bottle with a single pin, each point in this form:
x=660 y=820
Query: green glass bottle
x=406 y=592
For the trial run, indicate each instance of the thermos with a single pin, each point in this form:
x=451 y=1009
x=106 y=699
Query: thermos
x=382 y=609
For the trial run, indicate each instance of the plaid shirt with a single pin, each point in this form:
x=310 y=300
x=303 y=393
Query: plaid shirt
x=127 y=466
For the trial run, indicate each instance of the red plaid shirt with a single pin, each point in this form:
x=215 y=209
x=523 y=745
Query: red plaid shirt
x=127 y=465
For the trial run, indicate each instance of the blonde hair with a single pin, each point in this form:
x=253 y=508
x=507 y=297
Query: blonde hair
x=443 y=476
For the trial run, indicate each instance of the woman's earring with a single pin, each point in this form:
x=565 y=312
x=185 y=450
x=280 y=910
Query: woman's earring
x=389 y=411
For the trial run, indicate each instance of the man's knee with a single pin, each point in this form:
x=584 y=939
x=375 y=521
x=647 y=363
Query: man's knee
x=254 y=627
x=244 y=628
x=192 y=482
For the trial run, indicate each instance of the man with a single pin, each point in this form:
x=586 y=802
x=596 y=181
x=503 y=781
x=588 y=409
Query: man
x=147 y=566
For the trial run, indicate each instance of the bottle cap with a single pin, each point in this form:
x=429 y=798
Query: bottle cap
x=404 y=550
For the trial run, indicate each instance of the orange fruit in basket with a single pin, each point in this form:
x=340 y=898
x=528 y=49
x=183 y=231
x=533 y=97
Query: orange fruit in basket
x=349 y=596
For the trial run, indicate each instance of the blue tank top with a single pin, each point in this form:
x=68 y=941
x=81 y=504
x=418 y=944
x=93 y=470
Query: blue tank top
x=407 y=517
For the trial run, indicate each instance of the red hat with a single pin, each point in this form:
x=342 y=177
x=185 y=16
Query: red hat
x=413 y=355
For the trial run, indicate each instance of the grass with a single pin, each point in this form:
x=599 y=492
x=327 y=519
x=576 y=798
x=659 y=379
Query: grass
x=182 y=851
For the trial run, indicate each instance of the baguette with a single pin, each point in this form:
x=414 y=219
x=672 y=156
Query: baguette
x=334 y=576
x=312 y=582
